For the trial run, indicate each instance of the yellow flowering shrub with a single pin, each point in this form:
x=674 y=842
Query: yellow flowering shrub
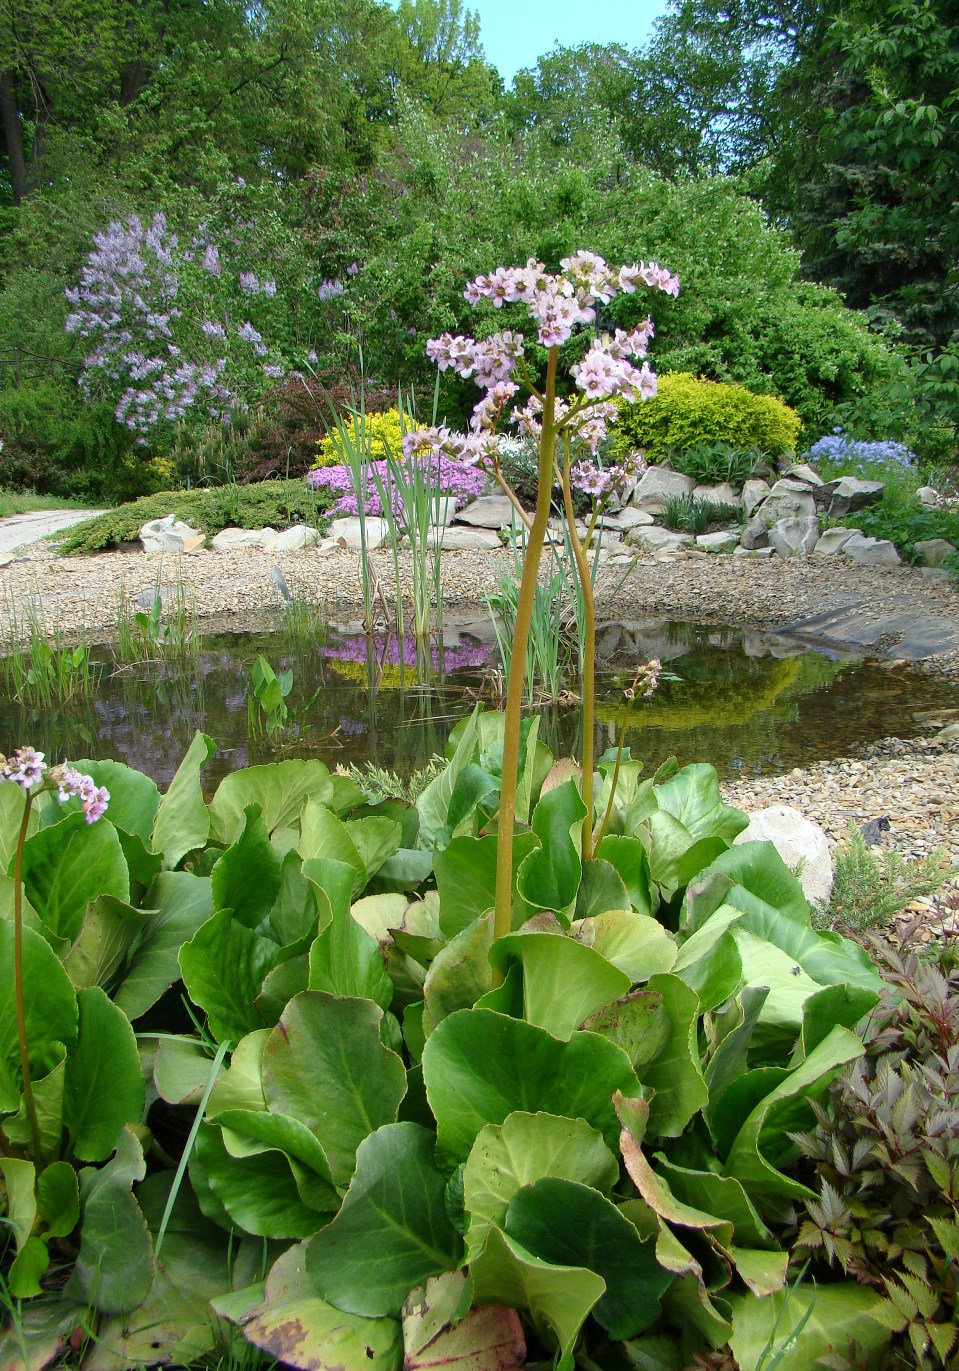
x=687 y=410
x=380 y=435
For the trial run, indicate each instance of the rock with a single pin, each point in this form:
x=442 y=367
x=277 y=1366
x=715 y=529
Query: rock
x=934 y=551
x=873 y=830
x=928 y=496
x=851 y=494
x=717 y=542
x=6 y=558
x=193 y=544
x=169 y=534
x=656 y=540
x=347 y=532
x=279 y=580
x=723 y=494
x=870 y=551
x=833 y=540
x=801 y=471
x=232 y=539
x=655 y=487
x=758 y=552
x=296 y=538
x=798 y=841
x=755 y=535
x=794 y=537
x=489 y=511
x=787 y=500
x=468 y=539
x=628 y=518
x=754 y=492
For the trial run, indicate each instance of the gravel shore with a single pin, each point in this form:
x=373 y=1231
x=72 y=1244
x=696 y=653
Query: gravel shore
x=915 y=783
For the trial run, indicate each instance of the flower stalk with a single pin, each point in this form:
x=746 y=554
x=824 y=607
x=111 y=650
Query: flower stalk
x=22 y=1043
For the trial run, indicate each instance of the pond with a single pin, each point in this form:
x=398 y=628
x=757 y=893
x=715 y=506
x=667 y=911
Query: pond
x=749 y=703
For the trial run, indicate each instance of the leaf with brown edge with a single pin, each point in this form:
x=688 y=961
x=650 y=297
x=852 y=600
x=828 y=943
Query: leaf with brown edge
x=487 y=1338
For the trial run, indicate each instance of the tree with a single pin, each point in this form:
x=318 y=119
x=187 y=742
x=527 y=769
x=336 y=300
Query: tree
x=435 y=57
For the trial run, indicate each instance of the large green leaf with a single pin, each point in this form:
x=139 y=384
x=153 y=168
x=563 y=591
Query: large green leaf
x=294 y=913
x=266 y=1192
x=637 y=944
x=50 y=1007
x=66 y=866
x=325 y=1064
x=12 y=801
x=601 y=889
x=563 y=980
x=392 y=1231
x=281 y=789
x=459 y=974
x=134 y=798
x=798 y=1328
x=763 y=1143
x=287 y=1320
x=466 y=879
x=183 y=903
x=434 y=802
x=569 y=1224
x=103 y=1088
x=114 y=1268
x=549 y=877
x=557 y=1298
x=675 y=1076
x=48 y=1104
x=692 y=796
x=223 y=967
x=346 y=960
x=628 y=856
x=675 y=856
x=182 y=821
x=480 y=1067
x=247 y=877
x=719 y=1195
x=437 y=1334
x=362 y=844
x=523 y=1149
x=638 y=1023
x=109 y=930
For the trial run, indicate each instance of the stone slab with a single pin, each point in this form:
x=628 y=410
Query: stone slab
x=897 y=636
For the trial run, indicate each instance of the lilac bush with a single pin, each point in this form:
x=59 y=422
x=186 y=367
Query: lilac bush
x=856 y=455
x=452 y=476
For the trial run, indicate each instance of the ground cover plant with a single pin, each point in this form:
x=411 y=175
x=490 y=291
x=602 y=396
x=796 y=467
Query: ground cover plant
x=510 y=1072
x=267 y=504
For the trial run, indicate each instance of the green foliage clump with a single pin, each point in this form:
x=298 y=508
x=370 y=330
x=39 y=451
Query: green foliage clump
x=689 y=410
x=688 y=513
x=872 y=887
x=886 y=1158
x=711 y=463
x=269 y=504
x=381 y=436
x=906 y=523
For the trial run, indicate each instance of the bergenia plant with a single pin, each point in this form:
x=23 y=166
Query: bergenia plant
x=28 y=770
x=612 y=368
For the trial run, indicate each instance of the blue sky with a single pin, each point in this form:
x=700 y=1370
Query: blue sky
x=515 y=33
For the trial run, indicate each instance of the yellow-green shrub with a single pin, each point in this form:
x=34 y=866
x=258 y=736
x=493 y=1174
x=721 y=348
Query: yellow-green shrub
x=687 y=410
x=380 y=435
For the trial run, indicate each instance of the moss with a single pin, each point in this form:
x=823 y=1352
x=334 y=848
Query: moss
x=270 y=504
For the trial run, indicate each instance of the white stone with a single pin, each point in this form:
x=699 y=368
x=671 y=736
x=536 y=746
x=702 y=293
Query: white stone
x=658 y=539
x=628 y=518
x=851 y=494
x=232 y=539
x=296 y=538
x=347 y=532
x=754 y=492
x=834 y=540
x=755 y=535
x=489 y=511
x=934 y=551
x=655 y=487
x=468 y=540
x=723 y=494
x=6 y=558
x=871 y=551
x=799 y=842
x=759 y=553
x=794 y=537
x=928 y=496
x=716 y=542
x=787 y=500
x=801 y=471
x=169 y=534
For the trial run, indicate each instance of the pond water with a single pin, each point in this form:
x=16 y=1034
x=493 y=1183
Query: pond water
x=749 y=703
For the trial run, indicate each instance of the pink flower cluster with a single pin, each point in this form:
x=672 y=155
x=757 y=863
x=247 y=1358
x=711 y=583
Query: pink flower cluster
x=449 y=475
x=26 y=768
x=557 y=304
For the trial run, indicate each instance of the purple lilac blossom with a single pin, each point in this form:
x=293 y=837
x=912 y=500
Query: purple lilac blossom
x=329 y=290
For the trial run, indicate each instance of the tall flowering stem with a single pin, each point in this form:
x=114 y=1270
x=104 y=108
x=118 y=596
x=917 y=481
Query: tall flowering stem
x=27 y=769
x=589 y=649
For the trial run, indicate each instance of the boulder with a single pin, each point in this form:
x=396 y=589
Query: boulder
x=717 y=542
x=6 y=558
x=834 y=540
x=654 y=540
x=347 y=532
x=754 y=535
x=794 y=537
x=852 y=493
x=787 y=500
x=723 y=494
x=754 y=492
x=489 y=511
x=928 y=496
x=296 y=538
x=801 y=471
x=934 y=551
x=870 y=551
x=627 y=518
x=655 y=487
x=170 y=534
x=468 y=539
x=759 y=553
x=233 y=539
x=799 y=842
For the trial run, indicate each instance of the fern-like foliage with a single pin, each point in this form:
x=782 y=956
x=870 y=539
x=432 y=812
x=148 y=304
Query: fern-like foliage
x=872 y=886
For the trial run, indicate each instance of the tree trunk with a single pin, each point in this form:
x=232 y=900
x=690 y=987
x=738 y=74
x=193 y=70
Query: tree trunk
x=13 y=134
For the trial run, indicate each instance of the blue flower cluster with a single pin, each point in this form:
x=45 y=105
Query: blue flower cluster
x=855 y=454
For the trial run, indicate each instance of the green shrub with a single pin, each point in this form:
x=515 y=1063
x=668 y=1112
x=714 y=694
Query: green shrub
x=688 y=513
x=905 y=522
x=270 y=504
x=870 y=888
x=688 y=411
x=710 y=463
